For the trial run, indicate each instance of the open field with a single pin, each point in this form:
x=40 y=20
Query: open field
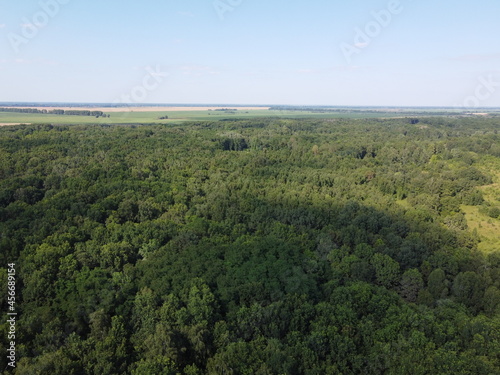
x=148 y=115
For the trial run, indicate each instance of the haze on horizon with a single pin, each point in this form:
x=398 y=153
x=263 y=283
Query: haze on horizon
x=376 y=53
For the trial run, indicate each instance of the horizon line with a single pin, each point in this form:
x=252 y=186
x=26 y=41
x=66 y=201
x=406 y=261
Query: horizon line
x=138 y=105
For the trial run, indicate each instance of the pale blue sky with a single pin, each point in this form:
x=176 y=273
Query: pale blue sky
x=430 y=53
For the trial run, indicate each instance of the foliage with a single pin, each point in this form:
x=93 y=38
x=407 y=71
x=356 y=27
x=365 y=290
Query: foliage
x=270 y=246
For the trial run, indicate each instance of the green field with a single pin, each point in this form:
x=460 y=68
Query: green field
x=141 y=117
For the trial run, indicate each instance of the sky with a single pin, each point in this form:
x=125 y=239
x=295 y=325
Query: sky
x=295 y=52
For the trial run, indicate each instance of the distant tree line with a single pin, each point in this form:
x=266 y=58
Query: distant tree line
x=407 y=112
x=71 y=112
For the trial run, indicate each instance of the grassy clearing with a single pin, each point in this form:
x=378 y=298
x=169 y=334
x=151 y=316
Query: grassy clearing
x=488 y=228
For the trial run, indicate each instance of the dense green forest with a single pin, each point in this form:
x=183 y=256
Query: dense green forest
x=267 y=246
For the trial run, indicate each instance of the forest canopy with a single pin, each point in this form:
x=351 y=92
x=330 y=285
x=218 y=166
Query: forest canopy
x=269 y=246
